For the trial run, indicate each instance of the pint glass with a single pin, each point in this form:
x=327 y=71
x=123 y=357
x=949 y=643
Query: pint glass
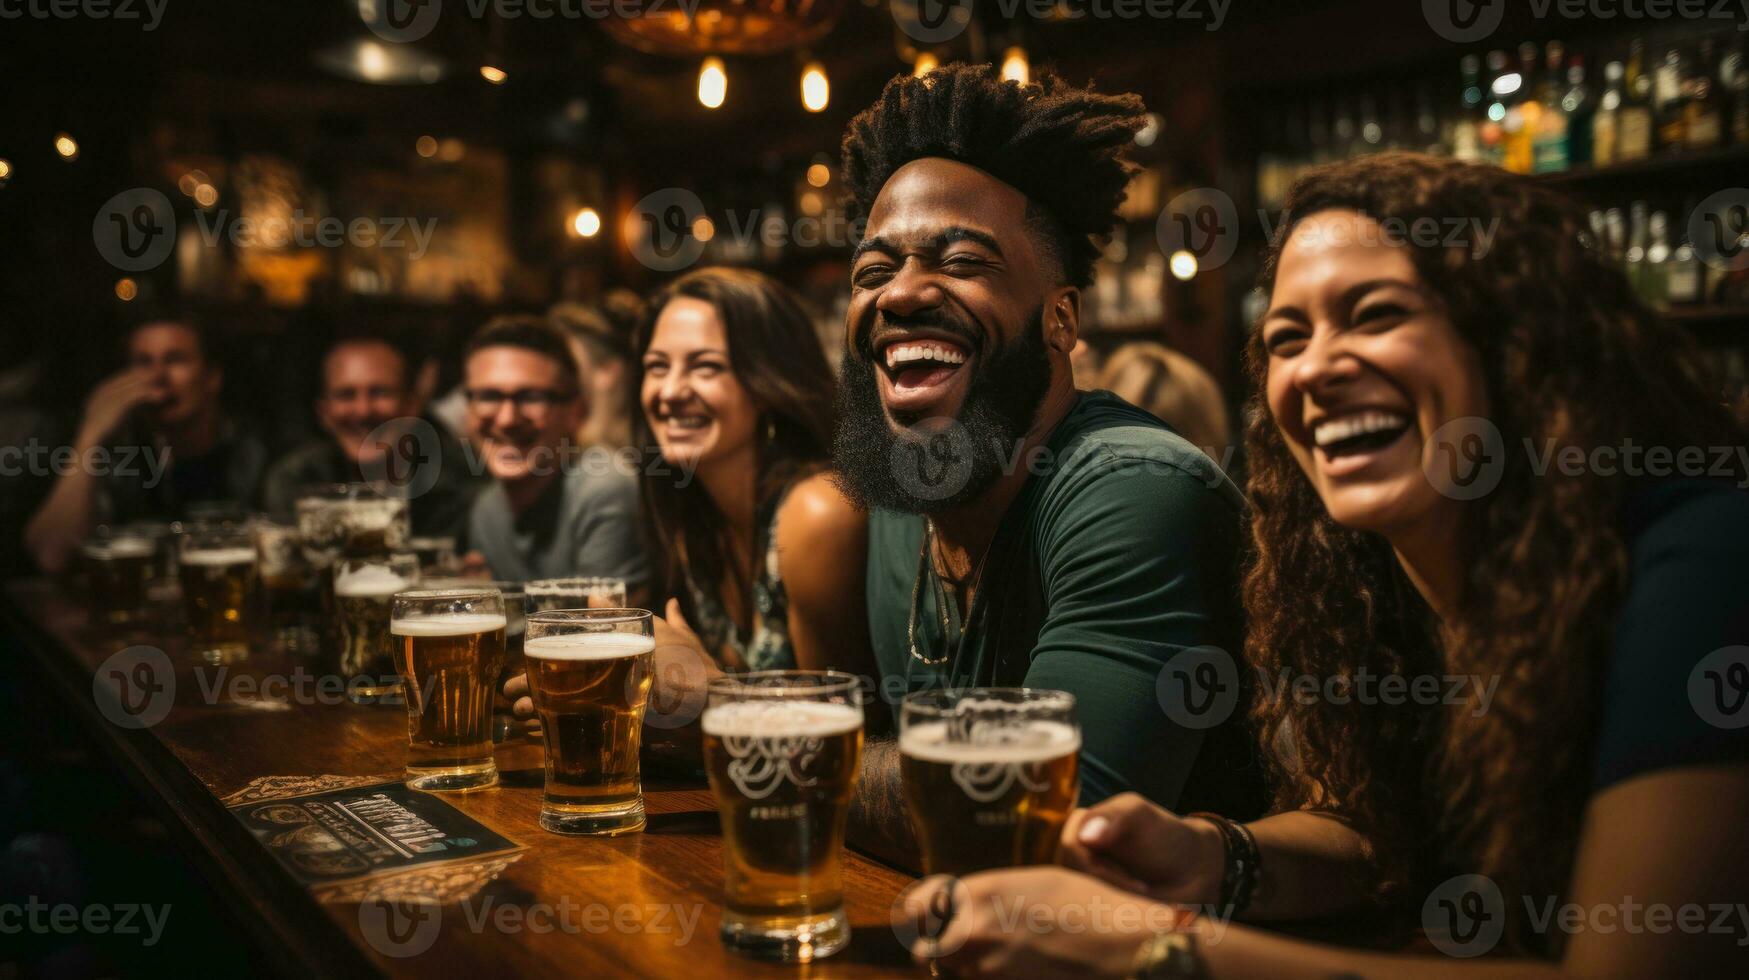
x=449 y=645
x=119 y=567
x=576 y=593
x=364 y=590
x=217 y=566
x=589 y=675
x=781 y=749
x=989 y=775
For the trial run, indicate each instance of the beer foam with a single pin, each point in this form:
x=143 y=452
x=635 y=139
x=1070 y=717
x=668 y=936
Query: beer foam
x=778 y=718
x=372 y=580
x=219 y=556
x=122 y=548
x=1035 y=741
x=457 y=624
x=588 y=646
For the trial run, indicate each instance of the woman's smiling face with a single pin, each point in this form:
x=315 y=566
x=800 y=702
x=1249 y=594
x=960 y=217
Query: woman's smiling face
x=1364 y=366
x=696 y=406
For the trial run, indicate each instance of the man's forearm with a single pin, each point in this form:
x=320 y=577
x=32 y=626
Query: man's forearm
x=880 y=824
x=63 y=521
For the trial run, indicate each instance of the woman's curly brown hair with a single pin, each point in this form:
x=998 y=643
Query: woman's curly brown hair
x=1570 y=357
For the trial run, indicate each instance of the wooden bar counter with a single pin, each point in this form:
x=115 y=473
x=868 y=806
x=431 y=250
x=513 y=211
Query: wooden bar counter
x=640 y=905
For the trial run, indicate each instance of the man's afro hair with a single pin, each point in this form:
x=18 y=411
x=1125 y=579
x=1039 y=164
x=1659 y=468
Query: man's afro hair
x=1059 y=145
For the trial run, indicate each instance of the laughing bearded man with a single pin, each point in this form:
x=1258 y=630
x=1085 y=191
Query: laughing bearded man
x=1024 y=533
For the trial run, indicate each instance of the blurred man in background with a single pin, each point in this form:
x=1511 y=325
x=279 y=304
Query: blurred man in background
x=549 y=513
x=152 y=441
x=368 y=408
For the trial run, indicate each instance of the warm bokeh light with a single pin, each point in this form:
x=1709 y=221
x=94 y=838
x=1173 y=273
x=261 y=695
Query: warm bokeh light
x=426 y=146
x=819 y=174
x=713 y=83
x=1014 y=66
x=493 y=74
x=812 y=204
x=373 y=61
x=126 y=289
x=66 y=146
x=816 y=91
x=451 y=150
x=925 y=63
x=586 y=223
x=206 y=195
x=703 y=229
x=1183 y=265
x=1150 y=130
x=5 y=170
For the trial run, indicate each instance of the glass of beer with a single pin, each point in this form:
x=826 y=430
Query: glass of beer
x=589 y=674
x=436 y=554
x=989 y=774
x=119 y=569
x=364 y=589
x=576 y=593
x=450 y=643
x=782 y=749
x=217 y=566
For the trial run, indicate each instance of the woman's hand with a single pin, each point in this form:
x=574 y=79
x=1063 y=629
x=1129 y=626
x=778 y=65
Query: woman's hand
x=1138 y=846
x=1029 y=922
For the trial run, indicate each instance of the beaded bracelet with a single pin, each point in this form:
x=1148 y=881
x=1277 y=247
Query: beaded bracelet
x=1243 y=864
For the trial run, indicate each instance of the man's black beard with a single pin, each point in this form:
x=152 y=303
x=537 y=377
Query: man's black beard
x=930 y=467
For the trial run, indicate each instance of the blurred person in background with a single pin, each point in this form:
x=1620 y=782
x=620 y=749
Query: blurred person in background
x=601 y=335
x=1084 y=361
x=551 y=510
x=1174 y=389
x=758 y=554
x=1592 y=759
x=367 y=407
x=152 y=440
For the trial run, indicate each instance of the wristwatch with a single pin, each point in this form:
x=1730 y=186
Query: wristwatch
x=1169 y=954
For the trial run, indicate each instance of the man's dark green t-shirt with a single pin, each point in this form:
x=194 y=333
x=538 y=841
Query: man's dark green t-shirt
x=1120 y=553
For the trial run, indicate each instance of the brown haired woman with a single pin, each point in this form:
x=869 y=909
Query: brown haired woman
x=1466 y=467
x=759 y=556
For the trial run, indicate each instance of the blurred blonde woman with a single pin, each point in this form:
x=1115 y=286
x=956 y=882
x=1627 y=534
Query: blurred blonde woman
x=600 y=337
x=1173 y=388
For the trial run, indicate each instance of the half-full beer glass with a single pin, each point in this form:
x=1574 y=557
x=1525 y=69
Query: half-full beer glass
x=119 y=567
x=364 y=590
x=589 y=674
x=781 y=749
x=989 y=774
x=450 y=643
x=217 y=566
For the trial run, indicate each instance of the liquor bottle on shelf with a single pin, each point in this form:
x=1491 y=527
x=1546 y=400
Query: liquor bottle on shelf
x=1428 y=137
x=1579 y=106
x=1522 y=112
x=1704 y=111
x=1549 y=124
x=1634 y=132
x=1615 y=239
x=1369 y=135
x=1687 y=282
x=1344 y=131
x=1657 y=266
x=1605 y=123
x=1671 y=98
x=1318 y=134
x=1493 y=125
x=1734 y=74
x=1635 y=258
x=1465 y=135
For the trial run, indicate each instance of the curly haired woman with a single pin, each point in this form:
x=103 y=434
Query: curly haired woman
x=1481 y=470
